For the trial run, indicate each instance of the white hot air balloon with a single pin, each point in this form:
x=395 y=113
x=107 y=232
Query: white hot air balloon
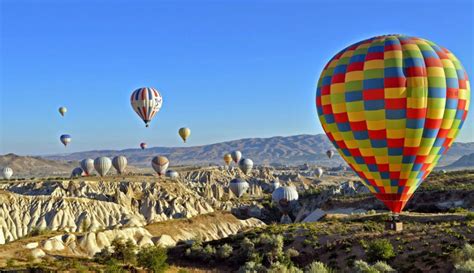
x=7 y=172
x=274 y=184
x=87 y=165
x=172 y=174
x=238 y=186
x=285 y=197
x=319 y=172
x=236 y=156
x=146 y=102
x=77 y=172
x=246 y=165
x=160 y=164
x=119 y=163
x=102 y=165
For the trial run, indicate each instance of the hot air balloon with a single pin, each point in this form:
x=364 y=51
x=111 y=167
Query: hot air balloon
x=62 y=110
x=319 y=172
x=143 y=145
x=65 y=139
x=87 y=165
x=184 y=133
x=119 y=163
x=285 y=197
x=246 y=165
x=329 y=153
x=146 y=101
x=392 y=105
x=274 y=184
x=102 y=165
x=7 y=172
x=227 y=159
x=236 y=156
x=172 y=174
x=160 y=164
x=77 y=172
x=238 y=186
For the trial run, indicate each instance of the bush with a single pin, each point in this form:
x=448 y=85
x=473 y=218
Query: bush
x=282 y=268
x=464 y=259
x=124 y=251
x=112 y=266
x=380 y=249
x=224 y=251
x=10 y=263
x=379 y=267
x=318 y=267
x=251 y=267
x=383 y=267
x=153 y=258
x=470 y=216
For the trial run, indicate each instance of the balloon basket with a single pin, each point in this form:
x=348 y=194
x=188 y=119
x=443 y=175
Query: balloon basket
x=394 y=226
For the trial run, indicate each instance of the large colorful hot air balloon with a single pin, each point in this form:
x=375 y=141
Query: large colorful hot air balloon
x=62 y=110
x=119 y=163
x=392 y=105
x=143 y=145
x=184 y=133
x=160 y=164
x=65 y=139
x=87 y=165
x=146 y=101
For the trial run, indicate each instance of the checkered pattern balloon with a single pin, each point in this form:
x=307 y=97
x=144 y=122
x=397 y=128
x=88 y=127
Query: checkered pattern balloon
x=392 y=106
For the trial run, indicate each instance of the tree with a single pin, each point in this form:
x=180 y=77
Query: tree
x=124 y=251
x=153 y=258
x=380 y=250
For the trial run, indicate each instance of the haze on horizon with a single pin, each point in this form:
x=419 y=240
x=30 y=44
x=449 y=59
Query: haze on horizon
x=226 y=70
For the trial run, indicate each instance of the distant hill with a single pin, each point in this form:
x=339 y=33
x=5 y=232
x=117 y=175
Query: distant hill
x=291 y=150
x=27 y=166
x=465 y=162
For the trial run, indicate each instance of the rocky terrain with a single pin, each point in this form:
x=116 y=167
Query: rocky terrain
x=30 y=166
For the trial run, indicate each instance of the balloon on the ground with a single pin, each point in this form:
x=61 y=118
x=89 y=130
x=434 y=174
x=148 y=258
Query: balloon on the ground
x=238 y=186
x=246 y=165
x=184 y=133
x=285 y=197
x=172 y=174
x=87 y=166
x=330 y=154
x=62 y=110
x=392 y=106
x=7 y=172
x=236 y=156
x=102 y=165
x=65 y=139
x=160 y=164
x=143 y=145
x=146 y=102
x=77 y=172
x=227 y=159
x=119 y=163
x=319 y=172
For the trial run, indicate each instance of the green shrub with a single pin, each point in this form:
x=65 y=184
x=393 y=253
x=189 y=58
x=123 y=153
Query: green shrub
x=112 y=266
x=470 y=216
x=379 y=249
x=383 y=267
x=124 y=251
x=318 y=267
x=224 y=251
x=10 y=263
x=464 y=259
x=153 y=258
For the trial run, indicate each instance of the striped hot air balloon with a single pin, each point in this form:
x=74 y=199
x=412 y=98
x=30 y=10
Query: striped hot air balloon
x=146 y=101
x=238 y=186
x=119 y=163
x=87 y=165
x=160 y=164
x=392 y=105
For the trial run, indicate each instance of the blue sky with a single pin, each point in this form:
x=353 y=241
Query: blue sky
x=226 y=69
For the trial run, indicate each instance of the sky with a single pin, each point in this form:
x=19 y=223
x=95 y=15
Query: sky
x=226 y=69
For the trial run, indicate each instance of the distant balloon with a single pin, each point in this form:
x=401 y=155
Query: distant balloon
x=319 y=172
x=285 y=196
x=330 y=154
x=236 y=156
x=274 y=184
x=443 y=171
x=146 y=101
x=160 y=164
x=246 y=165
x=102 y=165
x=87 y=165
x=227 y=159
x=119 y=163
x=238 y=186
x=62 y=110
x=65 y=139
x=143 y=145
x=184 y=133
x=7 y=172
x=172 y=174
x=77 y=172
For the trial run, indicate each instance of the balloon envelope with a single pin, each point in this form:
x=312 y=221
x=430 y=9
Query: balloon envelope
x=330 y=154
x=319 y=172
x=238 y=186
x=274 y=184
x=77 y=172
x=172 y=174
x=236 y=156
x=119 y=163
x=246 y=165
x=184 y=133
x=392 y=105
x=62 y=110
x=65 y=139
x=160 y=164
x=227 y=159
x=7 y=172
x=143 y=145
x=102 y=165
x=87 y=165
x=285 y=196
x=146 y=102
